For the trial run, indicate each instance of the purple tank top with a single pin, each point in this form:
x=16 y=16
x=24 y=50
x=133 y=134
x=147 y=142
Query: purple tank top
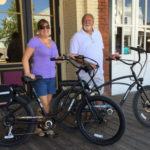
x=42 y=65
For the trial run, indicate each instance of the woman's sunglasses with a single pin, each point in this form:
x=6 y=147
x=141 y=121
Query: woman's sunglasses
x=44 y=27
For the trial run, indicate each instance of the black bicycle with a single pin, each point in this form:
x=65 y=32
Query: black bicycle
x=141 y=99
x=99 y=118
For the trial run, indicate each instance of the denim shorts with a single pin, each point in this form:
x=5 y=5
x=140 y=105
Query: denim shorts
x=45 y=86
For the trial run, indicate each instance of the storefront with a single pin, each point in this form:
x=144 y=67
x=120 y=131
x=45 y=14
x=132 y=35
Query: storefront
x=130 y=24
x=122 y=23
x=18 y=23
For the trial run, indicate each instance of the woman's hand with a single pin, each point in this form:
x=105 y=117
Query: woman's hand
x=59 y=61
x=30 y=75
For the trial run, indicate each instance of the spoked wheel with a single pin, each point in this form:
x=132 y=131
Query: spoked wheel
x=64 y=106
x=12 y=129
x=141 y=106
x=102 y=121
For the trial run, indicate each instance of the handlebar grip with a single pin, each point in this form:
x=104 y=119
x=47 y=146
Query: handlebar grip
x=109 y=59
x=57 y=59
x=79 y=57
x=139 y=49
x=53 y=59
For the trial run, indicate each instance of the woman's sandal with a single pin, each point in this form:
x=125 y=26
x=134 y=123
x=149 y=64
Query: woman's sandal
x=50 y=132
x=39 y=131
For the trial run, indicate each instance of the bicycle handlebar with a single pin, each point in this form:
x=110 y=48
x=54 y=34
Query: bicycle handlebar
x=138 y=49
x=68 y=58
x=85 y=65
x=134 y=62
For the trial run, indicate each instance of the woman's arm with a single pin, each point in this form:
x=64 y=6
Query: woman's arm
x=25 y=61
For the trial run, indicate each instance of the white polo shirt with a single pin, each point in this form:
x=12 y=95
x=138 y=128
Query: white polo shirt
x=88 y=45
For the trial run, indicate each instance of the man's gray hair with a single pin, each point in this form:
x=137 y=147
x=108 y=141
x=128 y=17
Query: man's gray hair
x=88 y=14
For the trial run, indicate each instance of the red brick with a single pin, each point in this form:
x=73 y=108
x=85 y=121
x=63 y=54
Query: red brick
x=104 y=29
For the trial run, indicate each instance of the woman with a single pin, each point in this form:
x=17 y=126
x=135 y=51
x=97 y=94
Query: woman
x=42 y=49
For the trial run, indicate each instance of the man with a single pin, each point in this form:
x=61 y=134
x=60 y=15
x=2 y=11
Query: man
x=88 y=42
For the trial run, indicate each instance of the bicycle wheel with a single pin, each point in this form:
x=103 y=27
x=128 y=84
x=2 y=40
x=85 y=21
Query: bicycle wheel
x=102 y=121
x=141 y=106
x=64 y=106
x=13 y=132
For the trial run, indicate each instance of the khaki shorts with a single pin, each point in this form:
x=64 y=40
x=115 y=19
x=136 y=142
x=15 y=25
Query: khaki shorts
x=98 y=78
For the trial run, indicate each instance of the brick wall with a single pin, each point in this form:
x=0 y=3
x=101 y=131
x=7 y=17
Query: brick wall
x=103 y=8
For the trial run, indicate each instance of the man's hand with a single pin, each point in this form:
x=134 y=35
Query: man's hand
x=73 y=55
x=81 y=61
x=115 y=56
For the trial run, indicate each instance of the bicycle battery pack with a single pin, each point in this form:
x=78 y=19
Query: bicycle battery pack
x=6 y=94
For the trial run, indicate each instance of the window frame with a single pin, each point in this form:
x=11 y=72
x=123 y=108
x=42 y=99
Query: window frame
x=20 y=13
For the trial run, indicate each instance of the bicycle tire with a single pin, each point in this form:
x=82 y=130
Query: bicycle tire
x=60 y=107
x=8 y=117
x=141 y=109
x=105 y=125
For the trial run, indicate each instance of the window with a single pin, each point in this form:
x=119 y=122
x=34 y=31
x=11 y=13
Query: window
x=123 y=26
x=144 y=25
x=11 y=31
x=43 y=10
x=126 y=20
x=131 y=25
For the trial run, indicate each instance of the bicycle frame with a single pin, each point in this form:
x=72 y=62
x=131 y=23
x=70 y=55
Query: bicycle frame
x=137 y=81
x=84 y=91
x=130 y=86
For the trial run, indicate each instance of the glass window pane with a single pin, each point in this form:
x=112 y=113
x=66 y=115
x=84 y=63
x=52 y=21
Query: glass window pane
x=41 y=7
x=141 y=12
x=141 y=37
x=9 y=5
x=148 y=12
x=118 y=11
x=148 y=40
x=118 y=38
x=127 y=40
x=10 y=38
x=128 y=12
x=41 y=10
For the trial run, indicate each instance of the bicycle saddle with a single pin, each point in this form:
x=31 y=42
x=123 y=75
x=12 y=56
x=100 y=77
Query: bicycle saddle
x=28 y=79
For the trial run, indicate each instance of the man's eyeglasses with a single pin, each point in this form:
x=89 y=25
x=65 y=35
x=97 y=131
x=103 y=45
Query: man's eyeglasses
x=44 y=27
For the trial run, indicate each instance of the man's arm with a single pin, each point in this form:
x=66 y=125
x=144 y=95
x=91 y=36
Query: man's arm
x=82 y=61
x=113 y=56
